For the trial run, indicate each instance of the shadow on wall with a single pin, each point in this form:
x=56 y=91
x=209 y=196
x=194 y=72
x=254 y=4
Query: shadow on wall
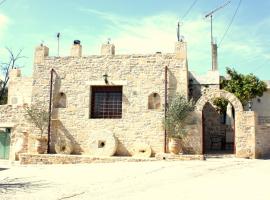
x=121 y=149
x=172 y=85
x=61 y=132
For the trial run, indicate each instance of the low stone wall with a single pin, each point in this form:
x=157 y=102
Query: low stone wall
x=26 y=159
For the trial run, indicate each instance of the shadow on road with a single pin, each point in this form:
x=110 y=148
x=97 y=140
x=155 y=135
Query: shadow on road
x=2 y=169
x=20 y=184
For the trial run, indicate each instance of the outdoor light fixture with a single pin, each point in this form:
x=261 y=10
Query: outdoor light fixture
x=250 y=105
x=105 y=76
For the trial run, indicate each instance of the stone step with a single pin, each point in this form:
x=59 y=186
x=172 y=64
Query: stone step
x=219 y=156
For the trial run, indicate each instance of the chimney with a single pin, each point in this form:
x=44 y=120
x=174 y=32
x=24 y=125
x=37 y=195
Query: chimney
x=181 y=50
x=76 y=50
x=108 y=49
x=40 y=53
x=214 y=57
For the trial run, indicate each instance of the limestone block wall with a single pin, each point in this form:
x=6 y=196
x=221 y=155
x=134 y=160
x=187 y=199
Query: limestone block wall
x=14 y=117
x=20 y=90
x=140 y=76
x=245 y=130
x=199 y=83
x=212 y=124
x=193 y=141
x=263 y=140
x=261 y=105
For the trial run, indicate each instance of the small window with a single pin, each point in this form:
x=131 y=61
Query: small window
x=61 y=100
x=154 y=101
x=106 y=102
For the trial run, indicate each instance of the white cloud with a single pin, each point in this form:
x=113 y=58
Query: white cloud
x=4 y=20
x=158 y=33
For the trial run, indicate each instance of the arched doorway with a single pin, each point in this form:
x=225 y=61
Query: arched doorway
x=217 y=135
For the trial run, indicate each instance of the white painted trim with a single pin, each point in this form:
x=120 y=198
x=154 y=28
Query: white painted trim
x=102 y=83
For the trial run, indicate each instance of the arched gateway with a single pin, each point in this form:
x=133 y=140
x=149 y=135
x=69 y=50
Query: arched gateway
x=217 y=136
x=210 y=94
x=243 y=125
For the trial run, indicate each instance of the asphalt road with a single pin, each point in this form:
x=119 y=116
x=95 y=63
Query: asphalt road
x=217 y=179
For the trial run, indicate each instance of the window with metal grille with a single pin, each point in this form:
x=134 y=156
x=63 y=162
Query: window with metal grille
x=106 y=102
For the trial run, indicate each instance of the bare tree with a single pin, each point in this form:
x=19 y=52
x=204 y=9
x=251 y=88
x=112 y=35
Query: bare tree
x=5 y=68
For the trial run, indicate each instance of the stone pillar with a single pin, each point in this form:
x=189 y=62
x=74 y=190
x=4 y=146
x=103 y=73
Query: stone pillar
x=214 y=57
x=76 y=50
x=40 y=53
x=108 y=49
x=181 y=50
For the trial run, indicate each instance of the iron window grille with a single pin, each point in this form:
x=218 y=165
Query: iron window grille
x=106 y=102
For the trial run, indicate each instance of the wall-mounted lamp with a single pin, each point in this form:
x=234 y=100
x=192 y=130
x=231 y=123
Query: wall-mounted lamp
x=250 y=105
x=105 y=76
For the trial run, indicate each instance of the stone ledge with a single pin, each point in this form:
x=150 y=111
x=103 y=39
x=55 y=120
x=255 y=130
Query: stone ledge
x=173 y=157
x=26 y=159
x=30 y=159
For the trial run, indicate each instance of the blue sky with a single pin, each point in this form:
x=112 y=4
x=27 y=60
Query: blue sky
x=141 y=26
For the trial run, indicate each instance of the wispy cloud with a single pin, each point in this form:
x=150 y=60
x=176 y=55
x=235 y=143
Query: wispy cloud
x=158 y=33
x=4 y=20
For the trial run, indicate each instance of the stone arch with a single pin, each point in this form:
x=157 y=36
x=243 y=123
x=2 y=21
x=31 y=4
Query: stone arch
x=207 y=96
x=210 y=94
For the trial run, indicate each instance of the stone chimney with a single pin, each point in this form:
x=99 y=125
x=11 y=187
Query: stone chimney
x=76 y=50
x=181 y=50
x=40 y=53
x=214 y=57
x=108 y=49
x=14 y=73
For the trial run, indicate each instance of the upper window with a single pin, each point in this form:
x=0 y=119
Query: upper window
x=61 y=100
x=154 y=101
x=106 y=102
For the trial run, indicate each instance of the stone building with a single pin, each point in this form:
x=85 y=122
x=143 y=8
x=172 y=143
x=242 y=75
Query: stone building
x=124 y=95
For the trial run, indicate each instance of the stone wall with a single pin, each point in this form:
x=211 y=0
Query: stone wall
x=261 y=104
x=245 y=129
x=14 y=117
x=263 y=140
x=19 y=88
x=140 y=76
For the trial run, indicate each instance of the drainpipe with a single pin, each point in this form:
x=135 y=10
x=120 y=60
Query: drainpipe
x=165 y=109
x=50 y=112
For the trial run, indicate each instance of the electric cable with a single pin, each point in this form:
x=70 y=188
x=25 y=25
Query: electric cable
x=229 y=25
x=189 y=9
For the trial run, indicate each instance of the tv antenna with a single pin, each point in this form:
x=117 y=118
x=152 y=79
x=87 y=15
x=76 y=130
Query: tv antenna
x=58 y=39
x=210 y=14
x=179 y=36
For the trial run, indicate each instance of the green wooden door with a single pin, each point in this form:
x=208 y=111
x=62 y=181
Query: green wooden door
x=4 y=143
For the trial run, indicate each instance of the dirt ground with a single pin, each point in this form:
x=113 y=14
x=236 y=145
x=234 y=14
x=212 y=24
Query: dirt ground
x=219 y=179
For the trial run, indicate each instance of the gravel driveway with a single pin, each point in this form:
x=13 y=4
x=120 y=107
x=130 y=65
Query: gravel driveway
x=218 y=179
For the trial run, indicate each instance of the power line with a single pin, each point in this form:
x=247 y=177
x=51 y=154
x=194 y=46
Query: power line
x=229 y=25
x=189 y=9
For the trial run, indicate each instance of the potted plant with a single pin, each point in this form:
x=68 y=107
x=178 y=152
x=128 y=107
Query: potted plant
x=176 y=119
x=39 y=116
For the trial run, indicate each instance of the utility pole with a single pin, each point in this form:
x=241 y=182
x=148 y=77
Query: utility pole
x=214 y=46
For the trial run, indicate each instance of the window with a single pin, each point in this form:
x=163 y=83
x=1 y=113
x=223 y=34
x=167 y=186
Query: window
x=106 y=102
x=61 y=100
x=154 y=101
